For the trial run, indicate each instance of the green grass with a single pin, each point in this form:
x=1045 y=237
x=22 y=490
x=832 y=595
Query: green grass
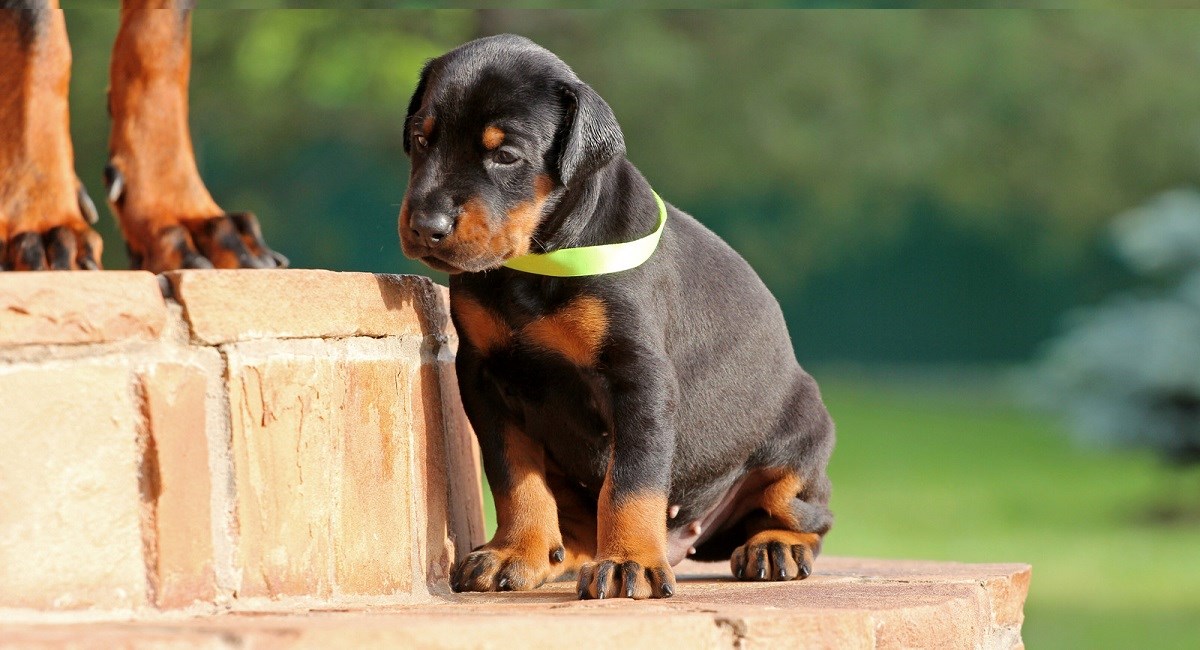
x=950 y=472
x=954 y=471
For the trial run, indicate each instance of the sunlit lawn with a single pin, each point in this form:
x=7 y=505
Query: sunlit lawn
x=950 y=472
x=953 y=471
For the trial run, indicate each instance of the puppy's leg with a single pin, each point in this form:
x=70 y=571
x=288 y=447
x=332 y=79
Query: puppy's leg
x=167 y=216
x=44 y=211
x=631 y=559
x=527 y=544
x=785 y=528
x=577 y=522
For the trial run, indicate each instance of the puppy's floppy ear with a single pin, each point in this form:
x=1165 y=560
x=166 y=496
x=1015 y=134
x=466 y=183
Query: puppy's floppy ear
x=414 y=105
x=589 y=136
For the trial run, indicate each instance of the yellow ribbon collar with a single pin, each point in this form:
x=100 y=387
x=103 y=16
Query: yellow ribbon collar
x=594 y=260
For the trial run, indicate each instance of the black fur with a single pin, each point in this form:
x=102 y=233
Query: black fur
x=590 y=136
x=696 y=385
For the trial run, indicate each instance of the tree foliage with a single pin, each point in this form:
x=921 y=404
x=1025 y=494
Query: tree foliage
x=815 y=142
x=1128 y=370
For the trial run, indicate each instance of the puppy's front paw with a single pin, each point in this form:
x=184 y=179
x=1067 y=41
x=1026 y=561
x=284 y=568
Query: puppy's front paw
x=505 y=569
x=617 y=577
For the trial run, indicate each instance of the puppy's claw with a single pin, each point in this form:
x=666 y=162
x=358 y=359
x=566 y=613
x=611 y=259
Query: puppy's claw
x=585 y=581
x=603 y=576
x=629 y=575
x=774 y=555
x=621 y=578
x=480 y=567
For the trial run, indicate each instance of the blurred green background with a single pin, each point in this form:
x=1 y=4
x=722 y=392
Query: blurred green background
x=927 y=193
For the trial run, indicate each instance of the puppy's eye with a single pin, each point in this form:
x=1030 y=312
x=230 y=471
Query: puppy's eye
x=504 y=157
x=421 y=140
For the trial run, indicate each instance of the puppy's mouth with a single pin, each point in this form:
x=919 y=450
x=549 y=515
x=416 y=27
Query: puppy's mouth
x=438 y=265
x=449 y=261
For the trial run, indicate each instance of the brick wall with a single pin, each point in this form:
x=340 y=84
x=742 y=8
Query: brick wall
x=256 y=437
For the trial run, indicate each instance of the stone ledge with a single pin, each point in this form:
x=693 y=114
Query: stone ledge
x=848 y=603
x=268 y=437
x=83 y=307
x=279 y=459
x=228 y=306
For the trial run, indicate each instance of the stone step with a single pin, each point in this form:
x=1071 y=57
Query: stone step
x=847 y=603
x=278 y=459
x=257 y=435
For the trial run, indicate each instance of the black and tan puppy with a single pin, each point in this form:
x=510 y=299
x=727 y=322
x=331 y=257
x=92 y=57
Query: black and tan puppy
x=626 y=419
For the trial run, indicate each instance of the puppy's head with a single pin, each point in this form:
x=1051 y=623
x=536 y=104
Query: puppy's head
x=496 y=130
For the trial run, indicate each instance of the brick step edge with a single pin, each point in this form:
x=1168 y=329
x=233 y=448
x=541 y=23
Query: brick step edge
x=847 y=603
x=256 y=437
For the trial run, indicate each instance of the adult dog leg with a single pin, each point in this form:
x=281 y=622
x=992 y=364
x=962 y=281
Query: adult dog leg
x=44 y=211
x=167 y=216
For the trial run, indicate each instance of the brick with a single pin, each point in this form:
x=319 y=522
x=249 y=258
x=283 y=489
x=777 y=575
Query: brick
x=1005 y=585
x=446 y=470
x=708 y=611
x=80 y=307
x=70 y=525
x=525 y=630
x=354 y=631
x=223 y=306
x=322 y=446
x=373 y=537
x=430 y=488
x=852 y=602
x=463 y=464
x=1008 y=597
x=178 y=523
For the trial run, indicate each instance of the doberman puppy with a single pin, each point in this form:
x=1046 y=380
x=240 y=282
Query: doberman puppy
x=166 y=214
x=625 y=419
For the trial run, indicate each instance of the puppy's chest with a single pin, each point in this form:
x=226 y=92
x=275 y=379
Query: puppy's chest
x=545 y=368
x=574 y=331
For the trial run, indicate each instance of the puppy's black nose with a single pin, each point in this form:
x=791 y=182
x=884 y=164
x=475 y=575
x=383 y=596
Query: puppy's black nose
x=432 y=227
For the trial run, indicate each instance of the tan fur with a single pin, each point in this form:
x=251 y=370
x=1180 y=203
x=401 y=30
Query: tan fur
x=37 y=175
x=576 y=521
x=799 y=548
x=526 y=517
x=776 y=498
x=473 y=235
x=523 y=220
x=633 y=528
x=787 y=537
x=484 y=329
x=150 y=142
x=576 y=331
x=526 y=514
x=472 y=231
x=492 y=137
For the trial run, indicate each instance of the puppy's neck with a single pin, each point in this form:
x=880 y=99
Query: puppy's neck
x=616 y=204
